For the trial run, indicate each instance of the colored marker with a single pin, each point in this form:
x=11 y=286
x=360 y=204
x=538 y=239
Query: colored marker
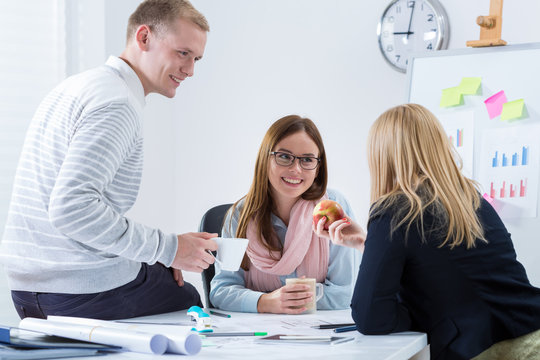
x=236 y=334
x=345 y=329
x=219 y=314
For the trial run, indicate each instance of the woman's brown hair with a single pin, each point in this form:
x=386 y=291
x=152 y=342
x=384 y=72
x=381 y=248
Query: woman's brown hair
x=258 y=203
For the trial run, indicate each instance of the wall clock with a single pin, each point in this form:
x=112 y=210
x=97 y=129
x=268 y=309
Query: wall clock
x=410 y=27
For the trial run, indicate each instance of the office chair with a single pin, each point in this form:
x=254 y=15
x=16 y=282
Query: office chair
x=212 y=222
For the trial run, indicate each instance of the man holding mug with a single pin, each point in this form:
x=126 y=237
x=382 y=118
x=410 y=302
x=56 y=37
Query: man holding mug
x=68 y=248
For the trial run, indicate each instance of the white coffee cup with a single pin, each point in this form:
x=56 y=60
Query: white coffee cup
x=315 y=288
x=230 y=252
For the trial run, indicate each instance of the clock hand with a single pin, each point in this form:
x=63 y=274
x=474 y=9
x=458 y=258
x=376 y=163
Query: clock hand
x=410 y=20
x=403 y=33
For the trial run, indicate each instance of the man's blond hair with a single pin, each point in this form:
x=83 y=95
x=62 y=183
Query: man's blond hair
x=160 y=15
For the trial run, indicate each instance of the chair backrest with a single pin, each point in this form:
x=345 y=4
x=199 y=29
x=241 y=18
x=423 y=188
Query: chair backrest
x=212 y=222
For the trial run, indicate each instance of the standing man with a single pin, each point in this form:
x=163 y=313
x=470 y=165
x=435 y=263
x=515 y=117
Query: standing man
x=68 y=249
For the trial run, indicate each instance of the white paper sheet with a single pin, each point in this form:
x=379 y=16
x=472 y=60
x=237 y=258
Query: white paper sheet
x=459 y=127
x=509 y=169
x=129 y=340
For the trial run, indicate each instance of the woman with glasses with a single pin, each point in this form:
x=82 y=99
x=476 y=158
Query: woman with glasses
x=437 y=257
x=276 y=217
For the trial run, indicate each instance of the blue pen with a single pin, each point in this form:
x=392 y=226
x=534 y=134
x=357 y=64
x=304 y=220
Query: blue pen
x=345 y=329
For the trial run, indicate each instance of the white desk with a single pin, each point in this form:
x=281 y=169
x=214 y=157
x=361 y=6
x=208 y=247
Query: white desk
x=387 y=347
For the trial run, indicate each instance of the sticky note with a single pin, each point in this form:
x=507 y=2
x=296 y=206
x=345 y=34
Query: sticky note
x=488 y=198
x=470 y=85
x=512 y=109
x=494 y=104
x=451 y=97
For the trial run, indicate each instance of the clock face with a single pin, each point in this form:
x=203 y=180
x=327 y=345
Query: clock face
x=408 y=27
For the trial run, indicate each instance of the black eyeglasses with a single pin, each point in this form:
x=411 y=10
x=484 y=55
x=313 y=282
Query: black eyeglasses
x=286 y=159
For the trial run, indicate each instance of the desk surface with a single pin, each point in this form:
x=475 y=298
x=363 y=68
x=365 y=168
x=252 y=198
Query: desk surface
x=394 y=347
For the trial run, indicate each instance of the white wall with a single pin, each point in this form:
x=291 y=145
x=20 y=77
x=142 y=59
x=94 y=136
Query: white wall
x=24 y=82
x=266 y=59
x=312 y=57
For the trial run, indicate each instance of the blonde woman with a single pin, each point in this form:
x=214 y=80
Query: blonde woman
x=437 y=257
x=276 y=216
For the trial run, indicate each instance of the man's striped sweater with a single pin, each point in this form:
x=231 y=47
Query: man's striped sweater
x=78 y=174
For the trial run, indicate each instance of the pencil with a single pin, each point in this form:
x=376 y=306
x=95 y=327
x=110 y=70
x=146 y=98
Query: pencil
x=236 y=334
x=331 y=326
x=219 y=314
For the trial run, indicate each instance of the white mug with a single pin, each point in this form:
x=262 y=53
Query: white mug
x=316 y=289
x=230 y=252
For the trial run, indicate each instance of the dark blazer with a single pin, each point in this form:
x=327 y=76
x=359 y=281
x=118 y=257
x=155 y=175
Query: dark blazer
x=464 y=299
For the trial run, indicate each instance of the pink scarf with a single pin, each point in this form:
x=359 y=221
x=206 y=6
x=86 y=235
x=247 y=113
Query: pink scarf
x=303 y=251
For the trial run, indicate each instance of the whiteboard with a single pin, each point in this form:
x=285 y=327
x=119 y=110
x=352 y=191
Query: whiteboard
x=515 y=70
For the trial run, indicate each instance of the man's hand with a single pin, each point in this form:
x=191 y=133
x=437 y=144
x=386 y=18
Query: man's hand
x=192 y=254
x=178 y=277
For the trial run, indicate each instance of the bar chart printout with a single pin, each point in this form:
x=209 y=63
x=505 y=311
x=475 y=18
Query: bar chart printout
x=508 y=171
x=508 y=189
x=459 y=128
x=517 y=159
x=458 y=142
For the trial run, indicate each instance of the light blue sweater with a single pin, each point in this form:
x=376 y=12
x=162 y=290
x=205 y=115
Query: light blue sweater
x=228 y=288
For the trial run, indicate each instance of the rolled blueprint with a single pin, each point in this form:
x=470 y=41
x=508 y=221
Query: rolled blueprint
x=127 y=339
x=181 y=339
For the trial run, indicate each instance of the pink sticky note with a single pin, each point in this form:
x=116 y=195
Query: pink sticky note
x=488 y=198
x=494 y=104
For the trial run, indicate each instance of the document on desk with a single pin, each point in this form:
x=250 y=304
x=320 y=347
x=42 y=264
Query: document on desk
x=16 y=353
x=304 y=339
x=129 y=340
x=300 y=325
x=20 y=338
x=286 y=324
x=181 y=340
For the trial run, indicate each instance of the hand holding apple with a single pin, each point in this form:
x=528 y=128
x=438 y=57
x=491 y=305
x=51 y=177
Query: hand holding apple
x=328 y=209
x=339 y=228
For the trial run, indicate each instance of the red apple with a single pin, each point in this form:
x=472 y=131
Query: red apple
x=329 y=209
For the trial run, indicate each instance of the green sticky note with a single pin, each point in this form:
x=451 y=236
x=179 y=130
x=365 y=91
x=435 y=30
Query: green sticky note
x=451 y=97
x=470 y=85
x=512 y=109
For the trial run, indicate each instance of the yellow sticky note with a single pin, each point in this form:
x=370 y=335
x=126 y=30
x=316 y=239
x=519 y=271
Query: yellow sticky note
x=451 y=97
x=470 y=85
x=512 y=109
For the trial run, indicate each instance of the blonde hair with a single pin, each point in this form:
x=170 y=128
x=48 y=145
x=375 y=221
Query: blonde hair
x=259 y=203
x=160 y=15
x=413 y=166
